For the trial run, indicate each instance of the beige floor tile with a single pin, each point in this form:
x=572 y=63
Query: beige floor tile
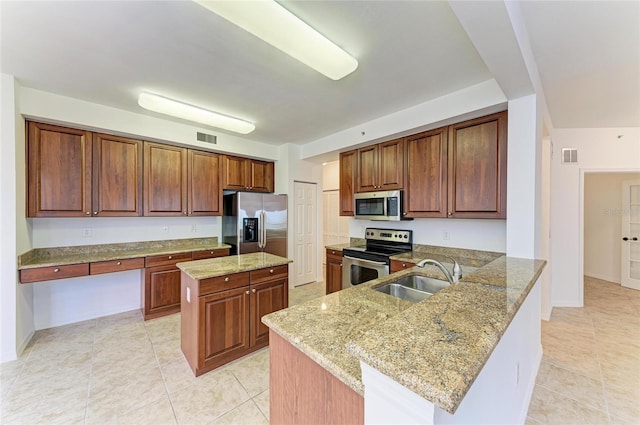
x=624 y=403
x=572 y=385
x=304 y=293
x=262 y=400
x=245 y=414
x=620 y=374
x=209 y=399
x=549 y=407
x=178 y=375
x=617 y=420
x=111 y=396
x=80 y=329
x=9 y=371
x=158 y=412
x=253 y=372
x=530 y=421
x=47 y=402
x=579 y=360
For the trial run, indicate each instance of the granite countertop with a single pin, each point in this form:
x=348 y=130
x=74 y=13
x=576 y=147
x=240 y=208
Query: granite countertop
x=212 y=267
x=45 y=257
x=451 y=334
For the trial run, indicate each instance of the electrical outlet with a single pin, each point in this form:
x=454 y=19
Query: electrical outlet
x=446 y=236
x=87 y=232
x=188 y=294
x=193 y=228
x=165 y=229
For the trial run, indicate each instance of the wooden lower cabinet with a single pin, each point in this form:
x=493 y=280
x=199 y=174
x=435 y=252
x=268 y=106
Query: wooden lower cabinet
x=221 y=316
x=397 y=265
x=161 y=291
x=334 y=271
x=303 y=392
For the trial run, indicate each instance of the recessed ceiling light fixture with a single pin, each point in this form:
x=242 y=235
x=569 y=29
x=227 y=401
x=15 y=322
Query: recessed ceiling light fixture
x=274 y=24
x=167 y=106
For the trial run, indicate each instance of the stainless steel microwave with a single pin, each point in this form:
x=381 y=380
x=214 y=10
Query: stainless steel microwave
x=385 y=206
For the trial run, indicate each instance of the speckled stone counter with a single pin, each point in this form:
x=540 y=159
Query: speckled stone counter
x=435 y=348
x=212 y=267
x=352 y=243
x=44 y=257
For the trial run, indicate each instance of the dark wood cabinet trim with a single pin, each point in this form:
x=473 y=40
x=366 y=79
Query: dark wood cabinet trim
x=348 y=171
x=53 y=272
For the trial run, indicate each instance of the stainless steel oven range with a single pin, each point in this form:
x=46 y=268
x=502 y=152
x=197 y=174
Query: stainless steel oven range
x=361 y=265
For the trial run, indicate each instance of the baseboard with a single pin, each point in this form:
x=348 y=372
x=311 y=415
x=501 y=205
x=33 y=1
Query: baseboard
x=87 y=316
x=607 y=278
x=23 y=345
x=531 y=387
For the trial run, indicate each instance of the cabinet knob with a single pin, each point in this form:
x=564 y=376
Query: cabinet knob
x=119 y=263
x=226 y=279
x=340 y=264
x=450 y=214
x=56 y=270
x=184 y=212
x=404 y=264
x=247 y=292
x=271 y=271
x=88 y=213
x=333 y=252
x=95 y=213
x=253 y=290
x=211 y=252
x=170 y=257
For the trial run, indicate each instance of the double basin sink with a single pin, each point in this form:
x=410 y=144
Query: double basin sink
x=412 y=287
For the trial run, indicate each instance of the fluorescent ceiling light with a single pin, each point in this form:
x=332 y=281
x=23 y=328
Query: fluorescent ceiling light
x=274 y=24
x=188 y=112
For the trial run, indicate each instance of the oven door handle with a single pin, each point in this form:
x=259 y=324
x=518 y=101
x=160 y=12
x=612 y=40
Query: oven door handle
x=382 y=263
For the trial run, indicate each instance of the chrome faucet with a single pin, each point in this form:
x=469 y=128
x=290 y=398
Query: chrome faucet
x=451 y=277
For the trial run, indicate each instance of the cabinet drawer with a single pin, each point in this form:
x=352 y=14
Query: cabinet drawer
x=334 y=254
x=166 y=259
x=54 y=272
x=222 y=283
x=112 y=266
x=269 y=273
x=397 y=265
x=210 y=253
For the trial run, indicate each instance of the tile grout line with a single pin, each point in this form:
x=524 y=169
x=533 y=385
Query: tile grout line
x=93 y=349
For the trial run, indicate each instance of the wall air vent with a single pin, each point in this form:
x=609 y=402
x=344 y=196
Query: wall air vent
x=569 y=155
x=207 y=138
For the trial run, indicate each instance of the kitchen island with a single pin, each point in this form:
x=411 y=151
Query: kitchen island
x=433 y=350
x=222 y=302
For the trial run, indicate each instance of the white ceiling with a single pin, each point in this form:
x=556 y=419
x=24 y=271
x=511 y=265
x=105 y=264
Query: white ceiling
x=588 y=57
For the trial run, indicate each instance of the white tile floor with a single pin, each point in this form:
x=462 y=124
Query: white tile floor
x=122 y=370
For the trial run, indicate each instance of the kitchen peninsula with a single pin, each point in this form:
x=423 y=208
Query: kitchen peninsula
x=222 y=302
x=379 y=358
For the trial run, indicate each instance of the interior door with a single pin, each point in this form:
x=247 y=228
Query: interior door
x=630 y=221
x=305 y=245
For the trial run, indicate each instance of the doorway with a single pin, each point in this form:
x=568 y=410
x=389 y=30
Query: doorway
x=604 y=215
x=305 y=233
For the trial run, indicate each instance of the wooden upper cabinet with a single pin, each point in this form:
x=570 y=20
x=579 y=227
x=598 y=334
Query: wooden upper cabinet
x=59 y=171
x=246 y=174
x=478 y=167
x=165 y=180
x=117 y=176
x=426 y=177
x=347 y=181
x=261 y=176
x=381 y=166
x=205 y=193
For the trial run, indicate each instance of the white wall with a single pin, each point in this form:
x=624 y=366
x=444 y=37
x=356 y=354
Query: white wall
x=602 y=230
x=599 y=149
x=331 y=176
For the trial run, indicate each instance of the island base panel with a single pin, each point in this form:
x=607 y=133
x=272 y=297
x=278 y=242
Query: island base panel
x=303 y=392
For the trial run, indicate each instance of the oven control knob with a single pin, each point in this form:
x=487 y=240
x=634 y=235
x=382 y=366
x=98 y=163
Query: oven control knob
x=406 y=236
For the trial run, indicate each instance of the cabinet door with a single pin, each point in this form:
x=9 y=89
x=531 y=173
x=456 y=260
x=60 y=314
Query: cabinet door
x=117 y=176
x=367 y=174
x=59 y=171
x=165 y=180
x=478 y=168
x=347 y=182
x=261 y=176
x=334 y=272
x=234 y=173
x=266 y=298
x=391 y=165
x=426 y=178
x=162 y=291
x=224 y=326
x=205 y=193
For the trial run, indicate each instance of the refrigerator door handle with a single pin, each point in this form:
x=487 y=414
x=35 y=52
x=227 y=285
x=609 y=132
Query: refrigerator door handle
x=264 y=229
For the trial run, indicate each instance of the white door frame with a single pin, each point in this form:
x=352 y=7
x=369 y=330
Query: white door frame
x=625 y=279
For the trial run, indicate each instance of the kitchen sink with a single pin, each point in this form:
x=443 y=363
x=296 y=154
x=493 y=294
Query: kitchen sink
x=413 y=288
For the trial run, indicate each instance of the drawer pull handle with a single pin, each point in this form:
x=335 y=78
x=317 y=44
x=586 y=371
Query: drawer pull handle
x=170 y=257
x=271 y=271
x=226 y=279
x=119 y=263
x=247 y=292
x=56 y=270
x=253 y=290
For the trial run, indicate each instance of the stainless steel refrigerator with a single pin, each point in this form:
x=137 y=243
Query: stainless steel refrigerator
x=254 y=222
